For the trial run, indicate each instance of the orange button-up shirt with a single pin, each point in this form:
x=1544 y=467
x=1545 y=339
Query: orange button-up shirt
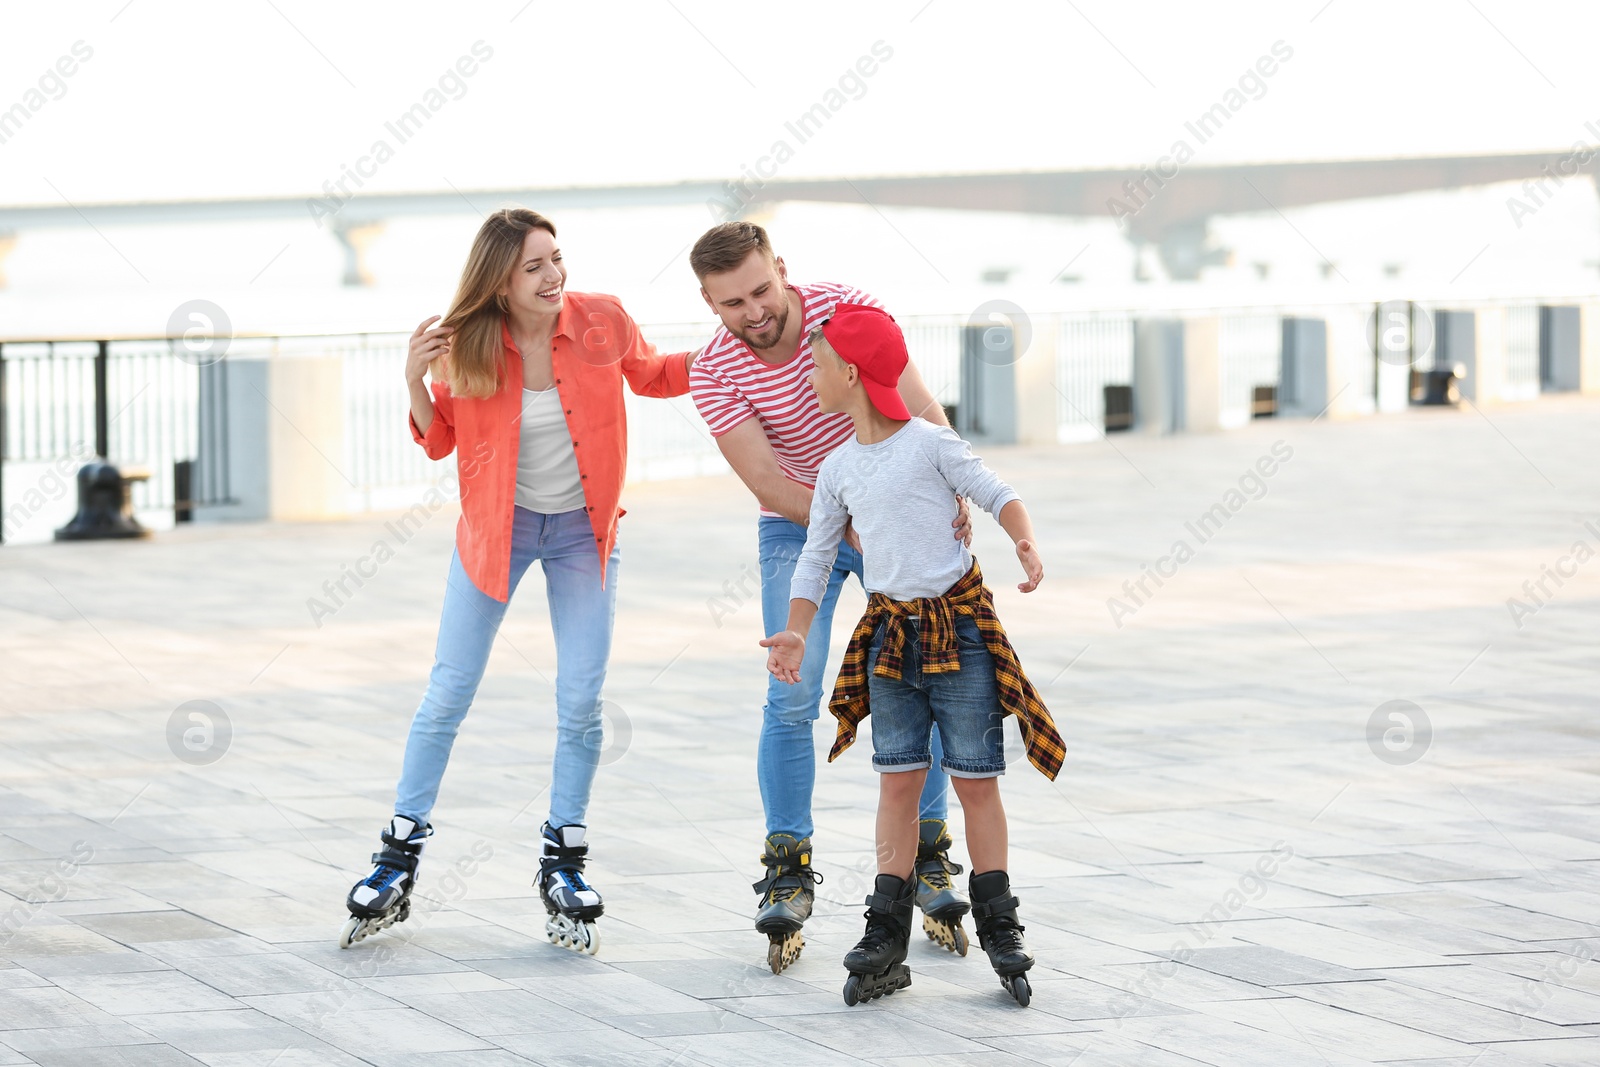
x=595 y=346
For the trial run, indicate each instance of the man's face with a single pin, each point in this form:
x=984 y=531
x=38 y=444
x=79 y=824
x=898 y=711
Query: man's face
x=751 y=299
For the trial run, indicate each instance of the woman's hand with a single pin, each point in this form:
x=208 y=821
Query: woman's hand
x=426 y=346
x=1032 y=565
x=787 y=650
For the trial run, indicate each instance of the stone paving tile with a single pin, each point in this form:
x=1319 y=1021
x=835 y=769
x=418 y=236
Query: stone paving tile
x=495 y=1012
x=1441 y=912
x=168 y=925
x=91 y=963
x=600 y=1047
x=1434 y=1013
x=1570 y=1052
x=1335 y=1030
x=1225 y=1043
x=144 y=992
x=1265 y=966
x=283 y=1057
x=126 y=1056
x=109 y=1034
x=476 y=1058
x=989 y=1058
x=1178 y=984
x=609 y=994
x=229 y=1030
x=680 y=1023
x=1088 y=1050
x=768 y=1046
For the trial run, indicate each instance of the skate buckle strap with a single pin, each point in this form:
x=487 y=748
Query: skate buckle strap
x=887 y=905
x=397 y=860
x=985 y=909
x=422 y=833
x=786 y=872
x=553 y=851
x=791 y=878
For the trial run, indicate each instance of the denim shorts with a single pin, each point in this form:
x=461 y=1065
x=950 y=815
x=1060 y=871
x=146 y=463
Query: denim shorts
x=965 y=704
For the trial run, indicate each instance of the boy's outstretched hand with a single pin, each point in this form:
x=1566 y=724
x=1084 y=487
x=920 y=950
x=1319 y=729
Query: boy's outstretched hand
x=1032 y=565
x=787 y=649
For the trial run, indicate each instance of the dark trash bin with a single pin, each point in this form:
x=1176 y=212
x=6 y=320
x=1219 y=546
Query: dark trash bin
x=1440 y=386
x=1119 y=407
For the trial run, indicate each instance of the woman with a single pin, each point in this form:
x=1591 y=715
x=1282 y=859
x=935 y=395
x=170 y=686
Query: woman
x=527 y=389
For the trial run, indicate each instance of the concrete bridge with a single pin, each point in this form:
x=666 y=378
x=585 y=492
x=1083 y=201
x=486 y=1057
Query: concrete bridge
x=1167 y=204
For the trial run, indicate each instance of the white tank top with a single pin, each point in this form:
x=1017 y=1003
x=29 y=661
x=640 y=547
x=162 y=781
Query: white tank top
x=547 y=465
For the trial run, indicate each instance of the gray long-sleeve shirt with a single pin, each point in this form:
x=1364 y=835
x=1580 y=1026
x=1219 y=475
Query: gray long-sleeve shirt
x=901 y=495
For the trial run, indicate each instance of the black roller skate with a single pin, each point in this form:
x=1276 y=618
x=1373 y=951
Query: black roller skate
x=787 y=894
x=995 y=911
x=943 y=906
x=877 y=964
x=383 y=897
x=572 y=902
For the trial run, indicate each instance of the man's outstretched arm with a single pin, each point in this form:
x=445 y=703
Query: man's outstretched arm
x=750 y=454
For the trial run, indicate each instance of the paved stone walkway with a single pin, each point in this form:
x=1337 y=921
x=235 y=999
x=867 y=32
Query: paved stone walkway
x=1252 y=857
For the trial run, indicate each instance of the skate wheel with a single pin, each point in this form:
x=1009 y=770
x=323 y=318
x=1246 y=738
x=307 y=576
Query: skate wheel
x=784 y=949
x=591 y=939
x=1020 y=989
x=351 y=933
x=852 y=990
x=946 y=934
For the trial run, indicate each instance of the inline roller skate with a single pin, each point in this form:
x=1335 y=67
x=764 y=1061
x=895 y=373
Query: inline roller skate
x=877 y=964
x=994 y=910
x=383 y=897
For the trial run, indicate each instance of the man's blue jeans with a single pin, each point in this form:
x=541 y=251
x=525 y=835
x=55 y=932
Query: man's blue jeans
x=581 y=614
x=786 y=759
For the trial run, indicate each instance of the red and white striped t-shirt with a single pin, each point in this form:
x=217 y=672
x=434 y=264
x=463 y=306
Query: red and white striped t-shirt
x=730 y=384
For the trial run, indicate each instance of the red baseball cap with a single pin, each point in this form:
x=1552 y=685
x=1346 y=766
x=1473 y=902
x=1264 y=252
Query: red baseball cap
x=869 y=338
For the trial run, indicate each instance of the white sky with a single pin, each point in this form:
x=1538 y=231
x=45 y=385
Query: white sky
x=185 y=100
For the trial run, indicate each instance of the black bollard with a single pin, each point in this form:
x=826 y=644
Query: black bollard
x=105 y=508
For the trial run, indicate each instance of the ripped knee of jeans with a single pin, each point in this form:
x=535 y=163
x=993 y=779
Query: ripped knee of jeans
x=791 y=711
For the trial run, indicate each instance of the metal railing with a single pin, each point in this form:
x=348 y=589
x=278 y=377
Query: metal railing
x=1249 y=346
x=135 y=402
x=1092 y=352
x=144 y=402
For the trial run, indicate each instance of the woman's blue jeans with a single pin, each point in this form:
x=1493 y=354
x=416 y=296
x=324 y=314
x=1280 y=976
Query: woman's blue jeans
x=581 y=614
x=786 y=758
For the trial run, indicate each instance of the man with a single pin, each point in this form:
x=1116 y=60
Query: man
x=752 y=386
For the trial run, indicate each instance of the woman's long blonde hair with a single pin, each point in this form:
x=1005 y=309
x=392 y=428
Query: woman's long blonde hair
x=476 y=365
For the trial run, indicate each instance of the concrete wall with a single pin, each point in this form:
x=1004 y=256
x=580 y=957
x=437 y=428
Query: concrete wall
x=285 y=440
x=1037 y=395
x=306 y=438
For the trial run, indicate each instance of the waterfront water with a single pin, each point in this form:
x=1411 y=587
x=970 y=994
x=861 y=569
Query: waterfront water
x=276 y=277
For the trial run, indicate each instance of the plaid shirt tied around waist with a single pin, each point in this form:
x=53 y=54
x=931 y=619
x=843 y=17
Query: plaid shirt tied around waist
x=940 y=655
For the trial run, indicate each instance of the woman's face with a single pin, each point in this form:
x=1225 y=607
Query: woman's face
x=538 y=280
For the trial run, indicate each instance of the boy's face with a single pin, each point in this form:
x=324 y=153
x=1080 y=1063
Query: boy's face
x=831 y=378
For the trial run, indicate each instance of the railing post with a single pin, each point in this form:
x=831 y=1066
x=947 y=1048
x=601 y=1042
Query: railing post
x=102 y=406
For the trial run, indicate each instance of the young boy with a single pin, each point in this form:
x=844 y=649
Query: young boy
x=929 y=648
